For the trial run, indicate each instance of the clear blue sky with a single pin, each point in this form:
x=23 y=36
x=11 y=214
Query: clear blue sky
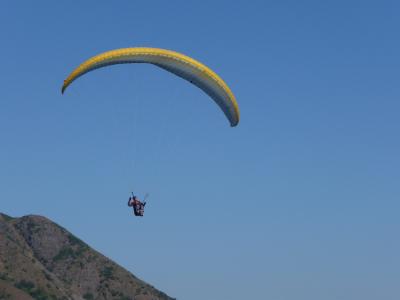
x=300 y=201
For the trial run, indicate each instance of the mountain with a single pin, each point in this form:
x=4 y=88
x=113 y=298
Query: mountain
x=41 y=260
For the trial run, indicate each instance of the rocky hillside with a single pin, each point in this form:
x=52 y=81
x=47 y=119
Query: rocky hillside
x=41 y=260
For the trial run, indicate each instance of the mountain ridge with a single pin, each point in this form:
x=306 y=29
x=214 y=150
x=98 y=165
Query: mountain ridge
x=40 y=259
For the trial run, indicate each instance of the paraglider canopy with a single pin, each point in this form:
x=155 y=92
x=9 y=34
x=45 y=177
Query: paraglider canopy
x=174 y=62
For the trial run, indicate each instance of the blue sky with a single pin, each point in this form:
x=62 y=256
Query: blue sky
x=301 y=200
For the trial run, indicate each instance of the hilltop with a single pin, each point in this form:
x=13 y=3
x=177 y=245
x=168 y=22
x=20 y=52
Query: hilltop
x=41 y=260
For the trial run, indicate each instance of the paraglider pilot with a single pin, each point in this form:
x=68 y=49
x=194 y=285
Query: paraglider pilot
x=138 y=206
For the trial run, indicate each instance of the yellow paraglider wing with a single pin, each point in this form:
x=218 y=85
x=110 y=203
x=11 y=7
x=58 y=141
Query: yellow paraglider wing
x=176 y=63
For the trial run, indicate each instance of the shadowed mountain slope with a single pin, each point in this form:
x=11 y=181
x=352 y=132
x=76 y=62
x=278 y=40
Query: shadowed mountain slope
x=41 y=260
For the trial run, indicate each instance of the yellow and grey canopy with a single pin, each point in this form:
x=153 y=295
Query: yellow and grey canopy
x=176 y=63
